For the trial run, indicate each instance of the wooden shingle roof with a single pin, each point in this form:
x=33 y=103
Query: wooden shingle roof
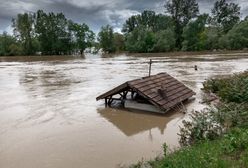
x=148 y=87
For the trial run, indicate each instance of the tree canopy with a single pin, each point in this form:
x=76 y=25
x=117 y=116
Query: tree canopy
x=181 y=11
x=225 y=15
x=180 y=27
x=47 y=34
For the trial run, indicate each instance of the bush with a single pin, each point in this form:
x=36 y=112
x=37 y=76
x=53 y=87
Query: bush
x=237 y=37
x=202 y=125
x=231 y=112
x=230 y=89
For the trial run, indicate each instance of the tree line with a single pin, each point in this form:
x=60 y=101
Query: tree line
x=46 y=34
x=180 y=28
x=183 y=28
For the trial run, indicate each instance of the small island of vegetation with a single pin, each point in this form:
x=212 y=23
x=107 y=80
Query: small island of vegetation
x=180 y=28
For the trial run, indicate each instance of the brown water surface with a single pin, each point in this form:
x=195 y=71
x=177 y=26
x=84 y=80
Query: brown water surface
x=49 y=117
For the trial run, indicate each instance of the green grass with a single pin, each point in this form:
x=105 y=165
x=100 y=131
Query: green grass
x=231 y=150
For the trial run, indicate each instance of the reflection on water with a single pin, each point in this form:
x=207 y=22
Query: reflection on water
x=49 y=116
x=133 y=122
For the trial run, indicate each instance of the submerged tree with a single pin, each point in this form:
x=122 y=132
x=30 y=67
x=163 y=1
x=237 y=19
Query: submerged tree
x=225 y=15
x=182 y=11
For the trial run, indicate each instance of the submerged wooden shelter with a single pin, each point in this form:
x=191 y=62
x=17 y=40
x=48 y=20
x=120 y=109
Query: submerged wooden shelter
x=161 y=90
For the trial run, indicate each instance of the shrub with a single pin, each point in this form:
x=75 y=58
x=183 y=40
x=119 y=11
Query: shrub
x=231 y=112
x=230 y=89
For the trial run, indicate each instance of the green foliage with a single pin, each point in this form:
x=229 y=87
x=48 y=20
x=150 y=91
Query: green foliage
x=51 y=30
x=164 y=41
x=9 y=45
x=182 y=11
x=225 y=15
x=237 y=38
x=230 y=89
x=140 y=39
x=149 y=32
x=214 y=137
x=209 y=38
x=48 y=33
x=231 y=150
x=232 y=112
x=181 y=28
x=165 y=149
x=83 y=36
x=119 y=42
x=192 y=34
x=202 y=125
x=106 y=39
x=23 y=30
x=149 y=20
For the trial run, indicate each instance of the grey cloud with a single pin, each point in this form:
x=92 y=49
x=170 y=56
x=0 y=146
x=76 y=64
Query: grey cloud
x=93 y=12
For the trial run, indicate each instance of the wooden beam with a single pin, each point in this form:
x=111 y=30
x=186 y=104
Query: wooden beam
x=106 y=102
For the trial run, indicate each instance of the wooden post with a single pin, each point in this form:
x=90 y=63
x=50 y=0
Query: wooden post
x=110 y=101
x=106 y=102
x=132 y=94
x=150 y=66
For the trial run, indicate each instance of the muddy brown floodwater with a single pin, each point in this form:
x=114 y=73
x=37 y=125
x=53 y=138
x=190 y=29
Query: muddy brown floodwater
x=49 y=117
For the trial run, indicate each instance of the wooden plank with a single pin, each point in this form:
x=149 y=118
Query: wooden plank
x=145 y=79
x=158 y=80
x=175 y=97
x=159 y=84
x=178 y=89
x=175 y=102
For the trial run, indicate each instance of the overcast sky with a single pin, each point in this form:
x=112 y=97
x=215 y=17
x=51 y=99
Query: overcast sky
x=95 y=13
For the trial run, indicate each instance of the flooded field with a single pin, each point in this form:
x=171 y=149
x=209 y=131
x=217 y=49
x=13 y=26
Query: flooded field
x=49 y=117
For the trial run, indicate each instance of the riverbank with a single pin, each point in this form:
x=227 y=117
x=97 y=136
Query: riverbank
x=222 y=141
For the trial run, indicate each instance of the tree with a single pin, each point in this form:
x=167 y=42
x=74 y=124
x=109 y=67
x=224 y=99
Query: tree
x=9 y=45
x=237 y=37
x=182 y=11
x=163 y=22
x=23 y=30
x=209 y=38
x=147 y=19
x=164 y=41
x=192 y=34
x=141 y=39
x=225 y=15
x=119 y=42
x=52 y=32
x=106 y=39
x=83 y=35
x=130 y=24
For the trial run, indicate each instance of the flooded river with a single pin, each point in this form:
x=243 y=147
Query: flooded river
x=49 y=117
